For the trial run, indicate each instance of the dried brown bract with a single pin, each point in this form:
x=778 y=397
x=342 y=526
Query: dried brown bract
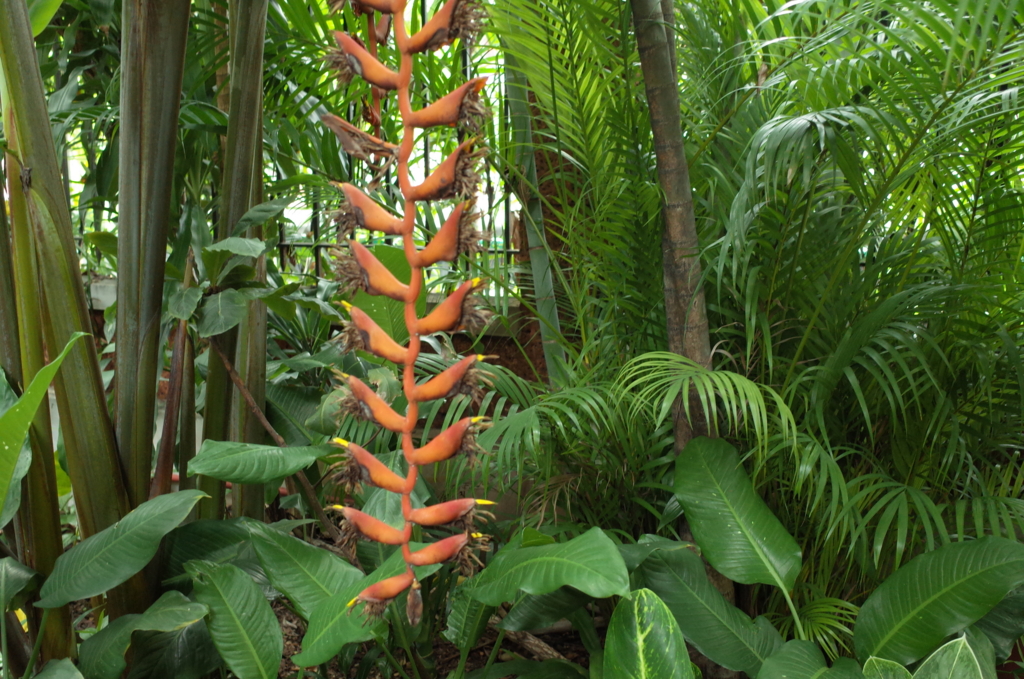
x=467 y=180
x=346 y=219
x=472 y=112
x=475 y=316
x=469 y=236
x=467 y=20
x=347 y=271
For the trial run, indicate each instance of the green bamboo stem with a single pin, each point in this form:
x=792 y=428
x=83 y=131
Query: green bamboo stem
x=88 y=433
x=253 y=354
x=154 y=34
x=40 y=532
x=10 y=351
x=244 y=140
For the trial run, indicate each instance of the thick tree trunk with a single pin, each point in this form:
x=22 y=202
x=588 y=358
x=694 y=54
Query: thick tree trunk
x=684 y=300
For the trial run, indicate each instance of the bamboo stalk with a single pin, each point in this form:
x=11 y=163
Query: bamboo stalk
x=88 y=433
x=154 y=34
x=245 y=136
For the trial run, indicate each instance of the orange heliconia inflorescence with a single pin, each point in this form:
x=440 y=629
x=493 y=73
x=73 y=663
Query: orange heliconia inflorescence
x=357 y=268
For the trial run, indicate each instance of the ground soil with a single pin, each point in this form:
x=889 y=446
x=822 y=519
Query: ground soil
x=446 y=655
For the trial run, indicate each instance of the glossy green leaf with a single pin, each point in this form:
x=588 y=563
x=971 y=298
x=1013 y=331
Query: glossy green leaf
x=530 y=669
x=40 y=12
x=207 y=540
x=12 y=502
x=736 y=531
x=644 y=641
x=954 y=660
x=983 y=651
x=241 y=622
x=14 y=577
x=1004 y=624
x=715 y=627
x=306 y=574
x=260 y=214
x=15 y=423
x=59 y=669
x=221 y=312
x=937 y=594
x=186 y=653
x=251 y=462
x=333 y=624
x=102 y=655
x=467 y=619
x=183 y=302
x=113 y=555
x=244 y=247
x=880 y=668
x=536 y=611
x=797 y=659
x=591 y=563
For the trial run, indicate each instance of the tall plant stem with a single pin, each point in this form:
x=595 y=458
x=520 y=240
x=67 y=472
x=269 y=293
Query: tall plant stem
x=540 y=261
x=88 y=433
x=684 y=298
x=252 y=354
x=154 y=34
x=40 y=535
x=247 y=26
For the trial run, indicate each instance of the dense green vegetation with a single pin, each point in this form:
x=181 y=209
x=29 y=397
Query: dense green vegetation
x=824 y=400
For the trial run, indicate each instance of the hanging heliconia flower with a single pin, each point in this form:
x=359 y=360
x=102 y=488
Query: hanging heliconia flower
x=356 y=267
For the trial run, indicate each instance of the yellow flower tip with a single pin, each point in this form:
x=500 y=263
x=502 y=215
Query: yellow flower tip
x=347 y=305
x=337 y=508
x=485 y=502
x=477 y=281
x=352 y=603
x=476 y=536
x=480 y=358
x=340 y=442
x=478 y=419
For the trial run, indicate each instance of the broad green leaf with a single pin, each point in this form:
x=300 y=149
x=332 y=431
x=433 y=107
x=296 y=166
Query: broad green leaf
x=467 y=619
x=14 y=577
x=954 y=660
x=935 y=595
x=183 y=302
x=15 y=423
x=40 y=12
x=241 y=622
x=59 y=669
x=251 y=462
x=105 y=241
x=736 y=531
x=113 y=555
x=644 y=641
x=530 y=669
x=102 y=654
x=1004 y=624
x=221 y=312
x=244 y=247
x=591 y=563
x=260 y=214
x=803 y=660
x=333 y=624
x=12 y=502
x=306 y=574
x=983 y=651
x=207 y=540
x=536 y=611
x=880 y=668
x=186 y=653
x=715 y=627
